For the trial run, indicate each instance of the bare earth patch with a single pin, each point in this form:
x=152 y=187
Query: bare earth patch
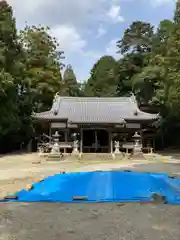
x=18 y=171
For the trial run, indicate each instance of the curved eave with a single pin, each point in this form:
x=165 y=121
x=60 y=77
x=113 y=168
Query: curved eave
x=142 y=116
x=141 y=119
x=48 y=116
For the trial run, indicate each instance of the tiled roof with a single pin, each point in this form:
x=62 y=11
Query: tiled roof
x=95 y=110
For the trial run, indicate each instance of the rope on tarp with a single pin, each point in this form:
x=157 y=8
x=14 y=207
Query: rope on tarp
x=11 y=197
x=80 y=198
x=8 y=198
x=159 y=199
x=173 y=176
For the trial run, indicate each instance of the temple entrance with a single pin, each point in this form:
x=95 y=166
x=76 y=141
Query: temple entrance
x=95 y=141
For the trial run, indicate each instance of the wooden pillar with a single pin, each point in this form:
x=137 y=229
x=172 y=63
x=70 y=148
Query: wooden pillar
x=110 y=142
x=50 y=132
x=29 y=146
x=66 y=139
x=96 y=141
x=141 y=133
x=81 y=140
x=154 y=144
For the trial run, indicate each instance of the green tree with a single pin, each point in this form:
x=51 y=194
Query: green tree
x=135 y=45
x=70 y=85
x=128 y=66
x=137 y=38
x=172 y=64
x=162 y=36
x=155 y=73
x=146 y=85
x=165 y=55
x=149 y=83
x=103 y=79
x=11 y=68
x=43 y=65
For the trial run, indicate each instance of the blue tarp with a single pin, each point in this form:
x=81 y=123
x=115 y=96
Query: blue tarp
x=112 y=186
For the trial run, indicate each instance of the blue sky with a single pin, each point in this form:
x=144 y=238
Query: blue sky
x=89 y=29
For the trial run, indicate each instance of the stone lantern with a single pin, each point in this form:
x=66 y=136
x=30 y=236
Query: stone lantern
x=55 y=147
x=137 y=138
x=137 y=149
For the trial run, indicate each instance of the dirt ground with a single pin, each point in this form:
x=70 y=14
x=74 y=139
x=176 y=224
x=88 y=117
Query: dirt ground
x=89 y=222
x=19 y=171
x=82 y=221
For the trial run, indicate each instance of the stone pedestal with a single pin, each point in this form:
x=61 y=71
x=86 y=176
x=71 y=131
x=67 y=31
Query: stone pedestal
x=117 y=153
x=55 y=149
x=117 y=146
x=137 y=150
x=75 y=148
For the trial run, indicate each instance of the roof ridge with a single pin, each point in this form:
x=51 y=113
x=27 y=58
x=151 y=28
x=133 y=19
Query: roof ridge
x=95 y=98
x=92 y=97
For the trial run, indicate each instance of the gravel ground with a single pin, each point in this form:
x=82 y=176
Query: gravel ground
x=170 y=168
x=93 y=221
x=89 y=222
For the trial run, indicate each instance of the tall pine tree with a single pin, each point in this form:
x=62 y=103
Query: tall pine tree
x=43 y=65
x=103 y=79
x=70 y=85
x=172 y=86
x=11 y=66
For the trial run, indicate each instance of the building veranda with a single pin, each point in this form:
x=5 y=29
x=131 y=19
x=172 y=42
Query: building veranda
x=96 y=125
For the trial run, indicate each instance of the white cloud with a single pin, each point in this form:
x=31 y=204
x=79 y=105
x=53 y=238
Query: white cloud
x=115 y=13
x=69 y=20
x=101 y=31
x=79 y=12
x=69 y=39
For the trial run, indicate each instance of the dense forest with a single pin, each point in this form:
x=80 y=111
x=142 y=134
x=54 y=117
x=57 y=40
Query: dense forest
x=31 y=73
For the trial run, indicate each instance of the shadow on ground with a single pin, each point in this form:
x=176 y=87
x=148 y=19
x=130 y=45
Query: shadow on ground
x=170 y=168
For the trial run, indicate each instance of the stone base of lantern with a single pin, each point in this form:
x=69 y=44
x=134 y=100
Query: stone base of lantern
x=137 y=153
x=75 y=152
x=55 y=156
x=55 y=152
x=117 y=154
